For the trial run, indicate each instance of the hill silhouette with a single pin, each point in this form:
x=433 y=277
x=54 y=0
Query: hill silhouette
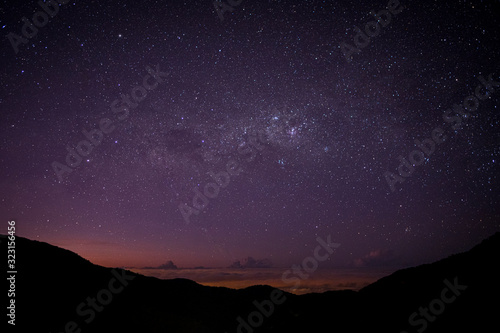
x=52 y=283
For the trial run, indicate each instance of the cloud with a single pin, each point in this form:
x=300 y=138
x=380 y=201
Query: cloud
x=168 y=265
x=252 y=263
x=237 y=278
x=349 y=285
x=375 y=258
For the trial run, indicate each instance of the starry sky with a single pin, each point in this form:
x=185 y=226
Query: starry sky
x=176 y=94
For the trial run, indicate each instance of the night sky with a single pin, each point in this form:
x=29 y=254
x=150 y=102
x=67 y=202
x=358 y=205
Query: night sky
x=303 y=134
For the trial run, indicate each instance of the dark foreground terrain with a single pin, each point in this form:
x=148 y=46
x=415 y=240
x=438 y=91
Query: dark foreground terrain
x=58 y=291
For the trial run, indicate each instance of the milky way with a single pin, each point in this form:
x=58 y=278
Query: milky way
x=328 y=130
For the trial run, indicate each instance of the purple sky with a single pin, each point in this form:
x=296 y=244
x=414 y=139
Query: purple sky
x=301 y=138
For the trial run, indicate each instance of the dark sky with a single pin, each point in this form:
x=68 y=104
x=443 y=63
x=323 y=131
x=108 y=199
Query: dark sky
x=267 y=93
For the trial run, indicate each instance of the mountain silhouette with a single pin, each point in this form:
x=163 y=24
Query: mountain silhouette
x=58 y=291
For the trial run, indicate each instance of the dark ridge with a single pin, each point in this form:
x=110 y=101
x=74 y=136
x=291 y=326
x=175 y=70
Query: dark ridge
x=52 y=282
